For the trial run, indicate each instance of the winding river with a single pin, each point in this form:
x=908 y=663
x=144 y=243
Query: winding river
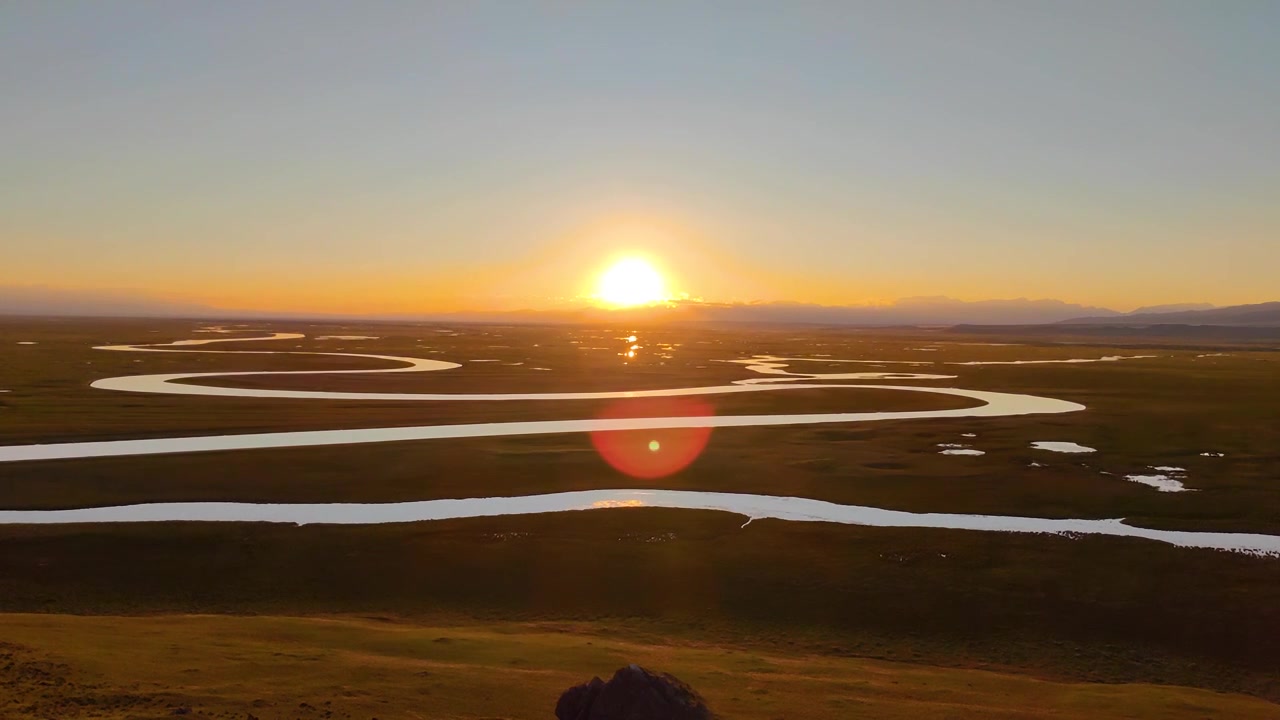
x=753 y=507
x=993 y=404
x=773 y=376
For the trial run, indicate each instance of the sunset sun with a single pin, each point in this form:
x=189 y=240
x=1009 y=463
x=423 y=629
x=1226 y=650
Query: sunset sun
x=631 y=281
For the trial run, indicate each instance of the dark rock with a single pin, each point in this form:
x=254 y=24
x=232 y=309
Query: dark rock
x=633 y=693
x=576 y=702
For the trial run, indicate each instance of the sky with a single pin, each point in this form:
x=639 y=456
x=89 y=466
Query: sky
x=412 y=156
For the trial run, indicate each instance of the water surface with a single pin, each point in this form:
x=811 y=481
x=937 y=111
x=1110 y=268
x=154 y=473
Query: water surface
x=753 y=507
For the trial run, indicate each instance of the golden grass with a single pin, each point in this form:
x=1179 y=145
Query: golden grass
x=65 y=666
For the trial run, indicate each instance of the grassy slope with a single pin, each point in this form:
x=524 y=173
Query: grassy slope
x=1087 y=609
x=271 y=667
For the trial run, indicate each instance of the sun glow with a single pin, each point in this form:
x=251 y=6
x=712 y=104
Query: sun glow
x=631 y=281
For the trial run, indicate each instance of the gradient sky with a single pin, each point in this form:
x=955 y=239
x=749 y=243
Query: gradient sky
x=396 y=156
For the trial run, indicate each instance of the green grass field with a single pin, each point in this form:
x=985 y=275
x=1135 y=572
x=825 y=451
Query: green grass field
x=1034 y=623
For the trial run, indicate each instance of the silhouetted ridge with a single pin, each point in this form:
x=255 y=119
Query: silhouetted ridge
x=1259 y=315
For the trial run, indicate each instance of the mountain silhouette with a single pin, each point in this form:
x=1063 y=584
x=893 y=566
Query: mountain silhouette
x=1257 y=315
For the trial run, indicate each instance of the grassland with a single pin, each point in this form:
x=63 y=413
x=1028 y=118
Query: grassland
x=836 y=597
x=346 y=668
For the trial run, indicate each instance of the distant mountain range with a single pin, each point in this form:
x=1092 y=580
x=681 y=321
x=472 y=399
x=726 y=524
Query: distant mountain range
x=1259 y=315
x=1177 y=307
x=42 y=300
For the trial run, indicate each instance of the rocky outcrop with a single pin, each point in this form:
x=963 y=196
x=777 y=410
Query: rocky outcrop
x=633 y=693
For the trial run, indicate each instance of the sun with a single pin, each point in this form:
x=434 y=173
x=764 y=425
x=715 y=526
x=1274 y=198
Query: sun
x=631 y=281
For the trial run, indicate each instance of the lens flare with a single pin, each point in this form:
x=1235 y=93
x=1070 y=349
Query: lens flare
x=654 y=453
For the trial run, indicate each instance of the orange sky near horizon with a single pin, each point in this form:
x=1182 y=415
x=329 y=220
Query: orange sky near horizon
x=563 y=272
x=563 y=278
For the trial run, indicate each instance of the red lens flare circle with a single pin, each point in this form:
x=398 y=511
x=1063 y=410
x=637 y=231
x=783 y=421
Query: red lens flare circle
x=653 y=453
